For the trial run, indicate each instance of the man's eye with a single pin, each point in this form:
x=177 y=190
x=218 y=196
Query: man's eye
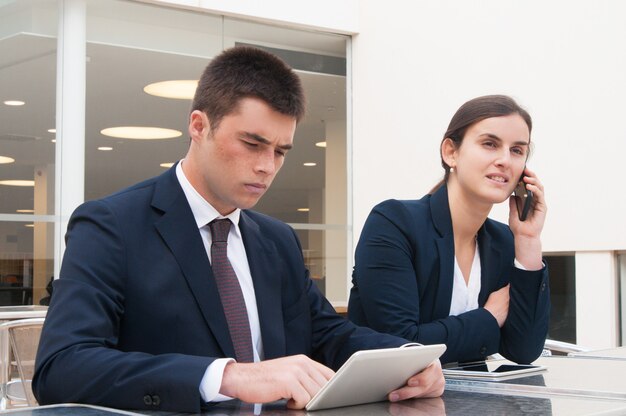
x=280 y=153
x=250 y=144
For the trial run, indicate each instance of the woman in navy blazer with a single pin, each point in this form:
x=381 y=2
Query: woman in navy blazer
x=437 y=270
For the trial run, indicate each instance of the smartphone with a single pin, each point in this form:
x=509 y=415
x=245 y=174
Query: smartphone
x=523 y=199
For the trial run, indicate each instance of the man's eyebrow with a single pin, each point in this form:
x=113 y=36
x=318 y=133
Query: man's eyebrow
x=263 y=140
x=494 y=137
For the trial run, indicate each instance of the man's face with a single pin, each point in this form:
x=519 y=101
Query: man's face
x=233 y=166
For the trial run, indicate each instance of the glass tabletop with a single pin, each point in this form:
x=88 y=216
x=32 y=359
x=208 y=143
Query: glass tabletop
x=578 y=376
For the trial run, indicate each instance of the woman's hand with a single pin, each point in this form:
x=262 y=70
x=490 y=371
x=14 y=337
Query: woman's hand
x=528 y=233
x=498 y=304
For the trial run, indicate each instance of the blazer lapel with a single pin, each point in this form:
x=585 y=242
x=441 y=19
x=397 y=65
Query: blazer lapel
x=178 y=229
x=490 y=258
x=440 y=212
x=266 y=270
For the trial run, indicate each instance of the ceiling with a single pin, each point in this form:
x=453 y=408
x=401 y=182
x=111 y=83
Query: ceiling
x=116 y=76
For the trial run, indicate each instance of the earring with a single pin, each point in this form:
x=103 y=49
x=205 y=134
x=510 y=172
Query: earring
x=452 y=169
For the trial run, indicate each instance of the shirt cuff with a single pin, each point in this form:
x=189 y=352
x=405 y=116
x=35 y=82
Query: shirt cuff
x=518 y=265
x=212 y=381
x=411 y=344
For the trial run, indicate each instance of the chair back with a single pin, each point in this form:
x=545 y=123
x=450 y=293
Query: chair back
x=20 y=339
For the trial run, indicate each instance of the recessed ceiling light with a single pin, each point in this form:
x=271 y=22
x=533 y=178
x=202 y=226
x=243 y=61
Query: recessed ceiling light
x=321 y=144
x=167 y=165
x=141 y=133
x=25 y=211
x=303 y=209
x=53 y=140
x=105 y=148
x=6 y=159
x=29 y=225
x=181 y=89
x=14 y=103
x=310 y=164
x=17 y=182
x=52 y=130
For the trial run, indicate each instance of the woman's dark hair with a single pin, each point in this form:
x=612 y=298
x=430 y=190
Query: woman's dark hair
x=472 y=112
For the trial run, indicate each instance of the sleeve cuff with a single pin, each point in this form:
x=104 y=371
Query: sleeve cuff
x=212 y=381
x=520 y=266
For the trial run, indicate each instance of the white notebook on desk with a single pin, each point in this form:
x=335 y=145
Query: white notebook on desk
x=369 y=376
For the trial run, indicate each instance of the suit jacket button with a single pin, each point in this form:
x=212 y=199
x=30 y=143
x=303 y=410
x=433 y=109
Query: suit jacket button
x=156 y=400
x=543 y=286
x=483 y=350
x=147 y=399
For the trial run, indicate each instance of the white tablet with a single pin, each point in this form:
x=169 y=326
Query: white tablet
x=369 y=376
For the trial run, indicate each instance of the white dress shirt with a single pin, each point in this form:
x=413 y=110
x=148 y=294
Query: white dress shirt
x=203 y=214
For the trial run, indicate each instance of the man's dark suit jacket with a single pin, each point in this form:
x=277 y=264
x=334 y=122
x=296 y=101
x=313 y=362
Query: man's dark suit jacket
x=403 y=276
x=136 y=318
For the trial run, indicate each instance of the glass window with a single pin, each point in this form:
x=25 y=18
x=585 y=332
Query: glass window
x=621 y=275
x=563 y=297
x=153 y=44
x=27 y=149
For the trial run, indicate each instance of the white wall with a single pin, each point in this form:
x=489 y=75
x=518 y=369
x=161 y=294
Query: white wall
x=565 y=61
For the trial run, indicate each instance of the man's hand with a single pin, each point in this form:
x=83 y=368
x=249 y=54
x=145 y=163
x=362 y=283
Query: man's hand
x=296 y=378
x=427 y=383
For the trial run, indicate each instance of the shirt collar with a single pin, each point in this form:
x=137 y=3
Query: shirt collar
x=203 y=212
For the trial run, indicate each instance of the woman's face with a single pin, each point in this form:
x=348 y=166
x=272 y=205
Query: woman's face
x=491 y=158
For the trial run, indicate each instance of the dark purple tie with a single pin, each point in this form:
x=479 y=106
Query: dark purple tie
x=230 y=292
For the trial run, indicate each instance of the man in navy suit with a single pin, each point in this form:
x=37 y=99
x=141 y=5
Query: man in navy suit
x=137 y=320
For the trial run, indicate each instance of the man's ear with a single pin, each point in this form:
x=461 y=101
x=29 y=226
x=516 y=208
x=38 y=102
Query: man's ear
x=449 y=152
x=199 y=125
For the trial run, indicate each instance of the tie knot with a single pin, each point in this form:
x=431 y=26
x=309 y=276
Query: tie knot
x=220 y=230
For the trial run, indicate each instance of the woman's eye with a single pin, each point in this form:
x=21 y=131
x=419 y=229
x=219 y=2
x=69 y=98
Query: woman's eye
x=489 y=144
x=518 y=151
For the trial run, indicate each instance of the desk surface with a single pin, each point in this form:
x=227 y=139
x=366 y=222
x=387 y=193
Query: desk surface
x=574 y=376
x=22 y=312
x=452 y=403
x=618 y=353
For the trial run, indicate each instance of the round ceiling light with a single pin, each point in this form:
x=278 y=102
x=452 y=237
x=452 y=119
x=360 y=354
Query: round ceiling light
x=17 y=182
x=181 y=89
x=140 y=133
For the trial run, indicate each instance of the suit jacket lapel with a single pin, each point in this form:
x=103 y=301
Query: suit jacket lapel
x=178 y=229
x=440 y=212
x=490 y=258
x=266 y=270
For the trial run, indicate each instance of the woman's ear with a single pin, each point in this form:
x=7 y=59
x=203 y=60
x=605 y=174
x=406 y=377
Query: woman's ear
x=449 y=152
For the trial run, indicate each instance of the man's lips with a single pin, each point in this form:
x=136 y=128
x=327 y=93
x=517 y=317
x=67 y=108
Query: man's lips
x=256 y=187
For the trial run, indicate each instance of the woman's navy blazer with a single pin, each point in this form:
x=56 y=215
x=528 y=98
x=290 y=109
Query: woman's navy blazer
x=403 y=275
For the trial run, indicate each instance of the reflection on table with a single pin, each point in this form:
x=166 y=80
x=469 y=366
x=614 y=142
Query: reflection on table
x=452 y=403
